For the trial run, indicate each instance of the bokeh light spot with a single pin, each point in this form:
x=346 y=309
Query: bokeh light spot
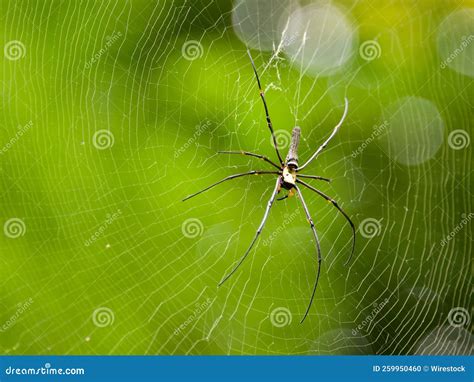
x=456 y=42
x=415 y=130
x=319 y=38
x=255 y=22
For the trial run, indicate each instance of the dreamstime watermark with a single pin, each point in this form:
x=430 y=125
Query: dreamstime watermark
x=459 y=139
x=109 y=219
x=286 y=222
x=375 y=133
x=458 y=317
x=14 y=228
x=192 y=50
x=370 y=317
x=103 y=316
x=46 y=370
x=370 y=227
x=199 y=130
x=370 y=50
x=21 y=308
x=198 y=309
x=280 y=317
x=465 y=219
x=14 y=50
x=466 y=41
x=282 y=137
x=21 y=130
x=103 y=139
x=109 y=41
x=192 y=228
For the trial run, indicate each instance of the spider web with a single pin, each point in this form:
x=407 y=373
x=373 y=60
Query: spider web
x=129 y=103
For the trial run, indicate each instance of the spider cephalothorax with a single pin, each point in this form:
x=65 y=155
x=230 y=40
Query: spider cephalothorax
x=288 y=180
x=288 y=172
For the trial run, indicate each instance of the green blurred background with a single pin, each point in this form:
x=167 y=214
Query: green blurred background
x=112 y=112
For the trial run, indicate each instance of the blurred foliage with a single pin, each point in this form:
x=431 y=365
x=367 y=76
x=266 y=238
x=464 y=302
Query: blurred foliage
x=118 y=66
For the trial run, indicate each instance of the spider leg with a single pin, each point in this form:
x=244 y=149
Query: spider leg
x=334 y=203
x=266 y=159
x=229 y=178
x=288 y=195
x=259 y=230
x=322 y=147
x=318 y=248
x=314 y=177
x=262 y=95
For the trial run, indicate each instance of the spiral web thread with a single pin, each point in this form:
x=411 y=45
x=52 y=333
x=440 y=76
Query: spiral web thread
x=154 y=290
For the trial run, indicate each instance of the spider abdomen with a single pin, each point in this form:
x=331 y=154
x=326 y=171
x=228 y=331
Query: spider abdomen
x=292 y=157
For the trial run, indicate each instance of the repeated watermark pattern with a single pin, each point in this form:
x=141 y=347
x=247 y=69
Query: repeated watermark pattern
x=21 y=130
x=192 y=50
x=370 y=227
x=375 y=133
x=370 y=50
x=103 y=139
x=22 y=308
x=192 y=228
x=286 y=222
x=198 y=309
x=370 y=317
x=465 y=219
x=280 y=317
x=458 y=317
x=459 y=139
x=282 y=137
x=14 y=50
x=109 y=41
x=103 y=316
x=199 y=130
x=466 y=41
x=14 y=228
x=109 y=219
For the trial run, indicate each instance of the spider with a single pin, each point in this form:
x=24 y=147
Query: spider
x=289 y=179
